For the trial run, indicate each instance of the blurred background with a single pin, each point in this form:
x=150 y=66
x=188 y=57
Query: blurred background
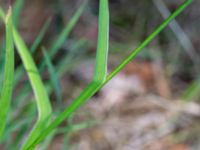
x=152 y=104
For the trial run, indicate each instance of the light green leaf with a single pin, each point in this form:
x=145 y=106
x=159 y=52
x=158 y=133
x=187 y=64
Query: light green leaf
x=2 y=15
x=40 y=93
x=102 y=45
x=6 y=93
x=42 y=99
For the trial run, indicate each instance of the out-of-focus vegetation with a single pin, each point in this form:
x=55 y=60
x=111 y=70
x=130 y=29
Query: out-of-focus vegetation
x=144 y=105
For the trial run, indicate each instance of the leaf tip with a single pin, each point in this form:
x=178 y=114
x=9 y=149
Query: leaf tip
x=9 y=13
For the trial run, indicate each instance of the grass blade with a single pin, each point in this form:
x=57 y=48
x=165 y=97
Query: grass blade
x=33 y=48
x=102 y=45
x=17 y=8
x=92 y=88
x=53 y=76
x=35 y=79
x=6 y=93
x=20 y=70
x=64 y=34
x=42 y=99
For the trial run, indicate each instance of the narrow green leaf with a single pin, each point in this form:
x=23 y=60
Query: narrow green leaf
x=102 y=45
x=60 y=40
x=34 y=76
x=17 y=8
x=53 y=76
x=93 y=87
x=6 y=93
x=19 y=70
x=42 y=99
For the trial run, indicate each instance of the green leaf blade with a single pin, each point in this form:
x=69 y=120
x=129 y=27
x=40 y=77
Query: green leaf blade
x=103 y=43
x=41 y=95
x=6 y=93
x=35 y=79
x=17 y=8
